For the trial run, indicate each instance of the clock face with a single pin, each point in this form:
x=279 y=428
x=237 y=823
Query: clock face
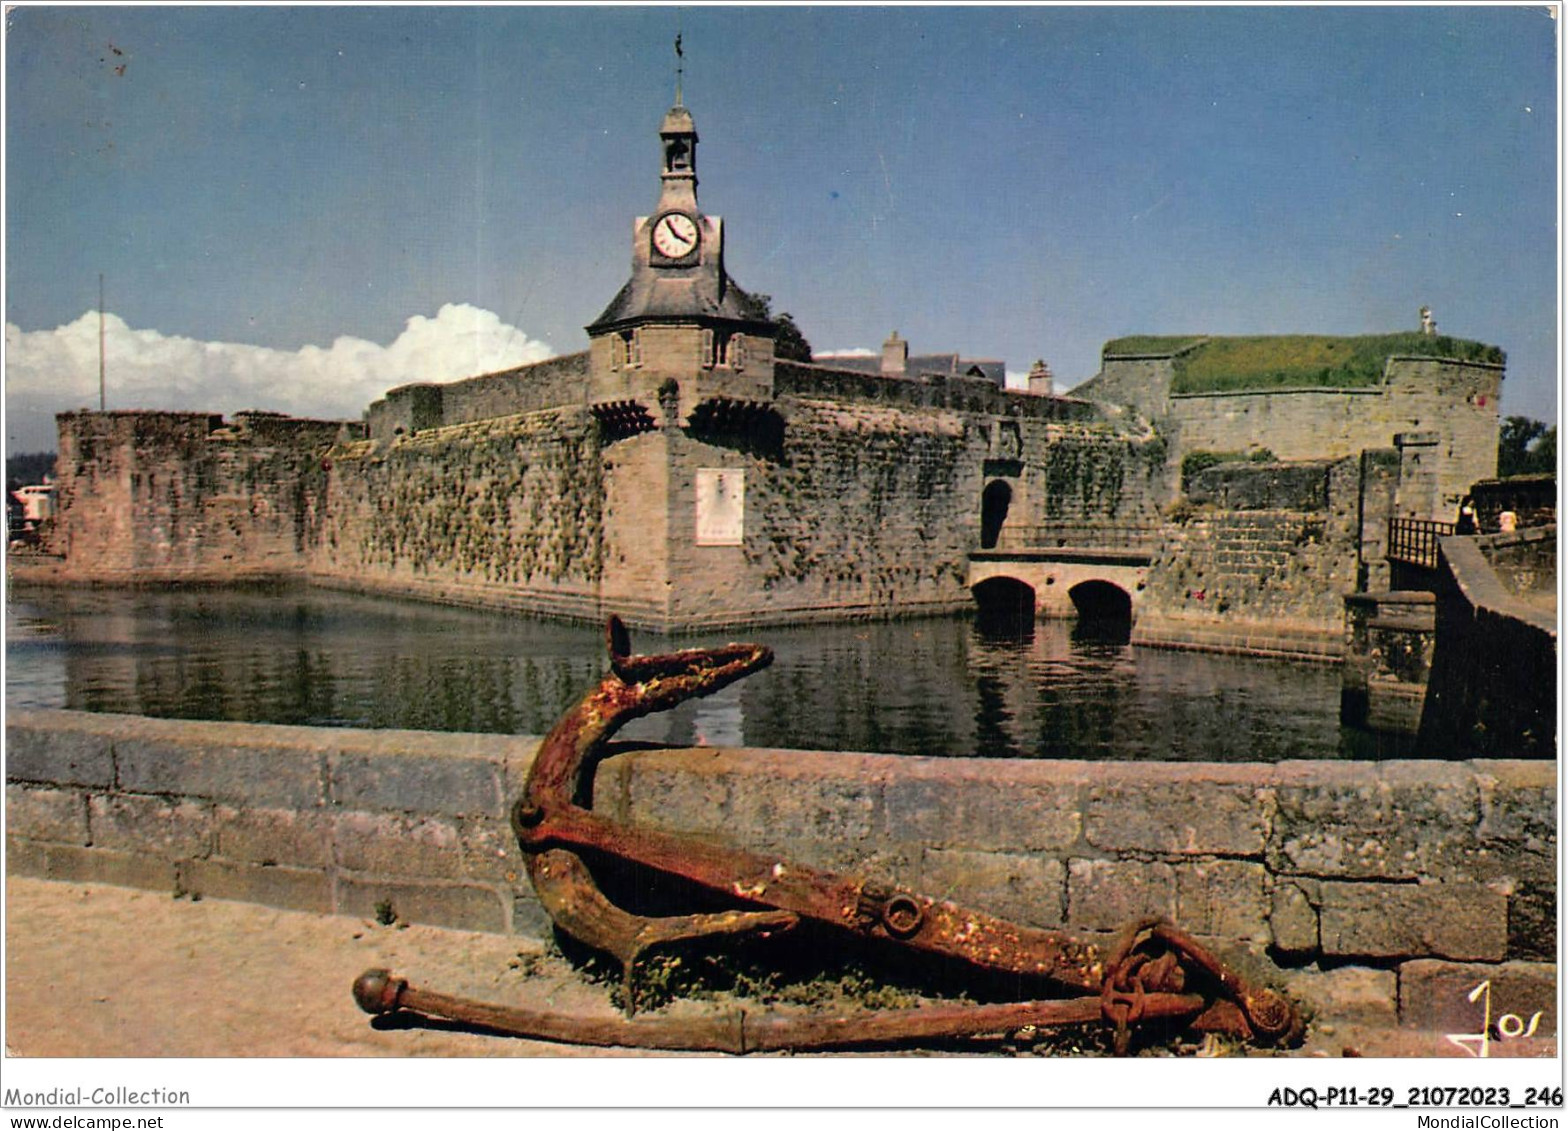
x=675 y=235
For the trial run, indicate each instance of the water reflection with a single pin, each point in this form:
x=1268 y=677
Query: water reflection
x=919 y=687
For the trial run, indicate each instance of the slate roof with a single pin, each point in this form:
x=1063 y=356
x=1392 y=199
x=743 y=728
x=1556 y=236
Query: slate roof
x=940 y=364
x=647 y=296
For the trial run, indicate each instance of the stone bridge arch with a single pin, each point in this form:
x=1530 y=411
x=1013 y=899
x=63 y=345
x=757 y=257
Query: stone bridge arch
x=1084 y=584
x=1004 y=604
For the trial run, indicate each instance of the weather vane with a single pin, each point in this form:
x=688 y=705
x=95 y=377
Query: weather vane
x=680 y=64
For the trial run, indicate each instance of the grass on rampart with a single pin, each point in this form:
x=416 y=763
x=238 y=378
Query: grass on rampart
x=1149 y=345
x=1296 y=360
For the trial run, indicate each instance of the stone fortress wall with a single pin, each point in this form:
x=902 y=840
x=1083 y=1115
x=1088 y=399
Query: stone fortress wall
x=1455 y=400
x=866 y=506
x=1245 y=567
x=507 y=491
x=184 y=496
x=1384 y=892
x=1259 y=561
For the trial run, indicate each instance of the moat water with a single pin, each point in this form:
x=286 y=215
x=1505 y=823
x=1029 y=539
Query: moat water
x=936 y=687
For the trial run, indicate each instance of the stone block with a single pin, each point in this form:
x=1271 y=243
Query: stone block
x=1370 y=920
x=25 y=857
x=1105 y=895
x=789 y=810
x=530 y=919
x=1532 y=921
x=1435 y=996
x=1179 y=818
x=452 y=786
x=97 y=865
x=679 y=800
x=157 y=826
x=273 y=836
x=1346 y=995
x=64 y=755
x=58 y=815
x=461 y=906
x=1400 y=821
x=298 y=889
x=1222 y=898
x=270 y=776
x=956 y=810
x=399 y=845
x=1293 y=915
x=1028 y=889
x=1519 y=807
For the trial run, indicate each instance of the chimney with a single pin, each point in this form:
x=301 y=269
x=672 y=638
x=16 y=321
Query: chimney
x=895 y=356
x=1041 y=382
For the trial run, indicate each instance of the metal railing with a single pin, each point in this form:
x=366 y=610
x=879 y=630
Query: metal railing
x=1414 y=540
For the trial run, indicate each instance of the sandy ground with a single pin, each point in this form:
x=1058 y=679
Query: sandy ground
x=94 y=970
x=100 y=971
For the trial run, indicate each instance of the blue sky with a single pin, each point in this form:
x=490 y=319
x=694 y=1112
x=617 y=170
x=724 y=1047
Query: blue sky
x=296 y=208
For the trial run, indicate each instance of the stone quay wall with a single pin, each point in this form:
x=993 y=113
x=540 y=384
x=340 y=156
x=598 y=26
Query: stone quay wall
x=1259 y=563
x=1383 y=891
x=859 y=507
x=185 y=496
x=1390 y=637
x=1492 y=686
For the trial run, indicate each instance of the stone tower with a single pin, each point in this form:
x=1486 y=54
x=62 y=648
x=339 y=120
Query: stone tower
x=680 y=333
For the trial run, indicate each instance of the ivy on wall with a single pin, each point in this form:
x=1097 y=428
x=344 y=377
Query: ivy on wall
x=506 y=502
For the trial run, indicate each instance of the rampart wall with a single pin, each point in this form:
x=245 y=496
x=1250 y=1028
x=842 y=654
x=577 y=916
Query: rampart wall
x=163 y=496
x=1384 y=890
x=1456 y=400
x=553 y=383
x=1259 y=562
x=506 y=512
x=866 y=508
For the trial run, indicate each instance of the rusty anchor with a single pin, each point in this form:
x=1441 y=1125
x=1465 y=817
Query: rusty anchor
x=1152 y=972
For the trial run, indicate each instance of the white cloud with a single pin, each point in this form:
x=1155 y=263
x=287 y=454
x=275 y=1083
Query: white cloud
x=858 y=351
x=49 y=371
x=1017 y=380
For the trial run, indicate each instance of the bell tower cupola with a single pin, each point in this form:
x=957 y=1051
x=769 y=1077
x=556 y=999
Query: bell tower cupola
x=678 y=134
x=680 y=333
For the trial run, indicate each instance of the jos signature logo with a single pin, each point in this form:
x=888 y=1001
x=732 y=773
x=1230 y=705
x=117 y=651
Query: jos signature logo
x=1509 y=1025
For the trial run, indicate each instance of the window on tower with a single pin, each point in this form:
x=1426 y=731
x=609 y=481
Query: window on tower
x=628 y=350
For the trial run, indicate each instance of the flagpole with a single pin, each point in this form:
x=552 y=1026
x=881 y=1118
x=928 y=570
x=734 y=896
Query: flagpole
x=101 y=399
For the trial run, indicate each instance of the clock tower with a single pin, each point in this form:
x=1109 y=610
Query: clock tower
x=680 y=335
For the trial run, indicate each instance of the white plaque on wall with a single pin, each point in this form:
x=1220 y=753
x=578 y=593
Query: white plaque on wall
x=721 y=506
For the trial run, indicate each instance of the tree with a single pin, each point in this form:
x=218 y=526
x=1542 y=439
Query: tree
x=1526 y=447
x=29 y=467
x=789 y=344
